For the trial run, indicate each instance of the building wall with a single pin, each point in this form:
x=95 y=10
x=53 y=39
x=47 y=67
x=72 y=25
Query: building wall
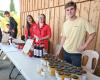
x=55 y=16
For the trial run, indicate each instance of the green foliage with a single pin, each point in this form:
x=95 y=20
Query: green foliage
x=12 y=7
x=1 y=14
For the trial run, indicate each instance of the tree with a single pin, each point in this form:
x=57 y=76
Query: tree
x=12 y=7
x=1 y=13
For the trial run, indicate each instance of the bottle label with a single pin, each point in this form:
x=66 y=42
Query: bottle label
x=34 y=52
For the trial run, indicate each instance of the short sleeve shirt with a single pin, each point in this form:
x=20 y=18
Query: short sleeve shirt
x=75 y=33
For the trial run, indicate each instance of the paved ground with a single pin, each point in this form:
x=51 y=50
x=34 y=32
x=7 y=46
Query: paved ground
x=5 y=68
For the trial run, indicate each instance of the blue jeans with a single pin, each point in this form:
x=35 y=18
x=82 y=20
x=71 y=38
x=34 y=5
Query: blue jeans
x=73 y=58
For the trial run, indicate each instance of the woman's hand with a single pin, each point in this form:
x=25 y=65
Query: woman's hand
x=37 y=38
x=13 y=30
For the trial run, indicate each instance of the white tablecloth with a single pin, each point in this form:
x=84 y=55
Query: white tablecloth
x=28 y=66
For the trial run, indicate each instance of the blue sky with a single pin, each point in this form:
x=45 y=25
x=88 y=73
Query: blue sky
x=4 y=5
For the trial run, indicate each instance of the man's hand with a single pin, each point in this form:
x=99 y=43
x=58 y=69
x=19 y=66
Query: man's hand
x=90 y=38
x=81 y=48
x=57 y=51
x=57 y=54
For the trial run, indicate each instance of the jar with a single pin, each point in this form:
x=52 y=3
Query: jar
x=57 y=71
x=52 y=70
x=67 y=76
x=75 y=77
x=44 y=61
x=84 y=75
x=61 y=75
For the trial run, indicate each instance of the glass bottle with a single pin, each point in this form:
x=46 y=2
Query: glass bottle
x=40 y=51
x=10 y=40
x=35 y=51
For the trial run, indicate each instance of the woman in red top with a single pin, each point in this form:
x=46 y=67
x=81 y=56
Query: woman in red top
x=42 y=32
x=29 y=27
